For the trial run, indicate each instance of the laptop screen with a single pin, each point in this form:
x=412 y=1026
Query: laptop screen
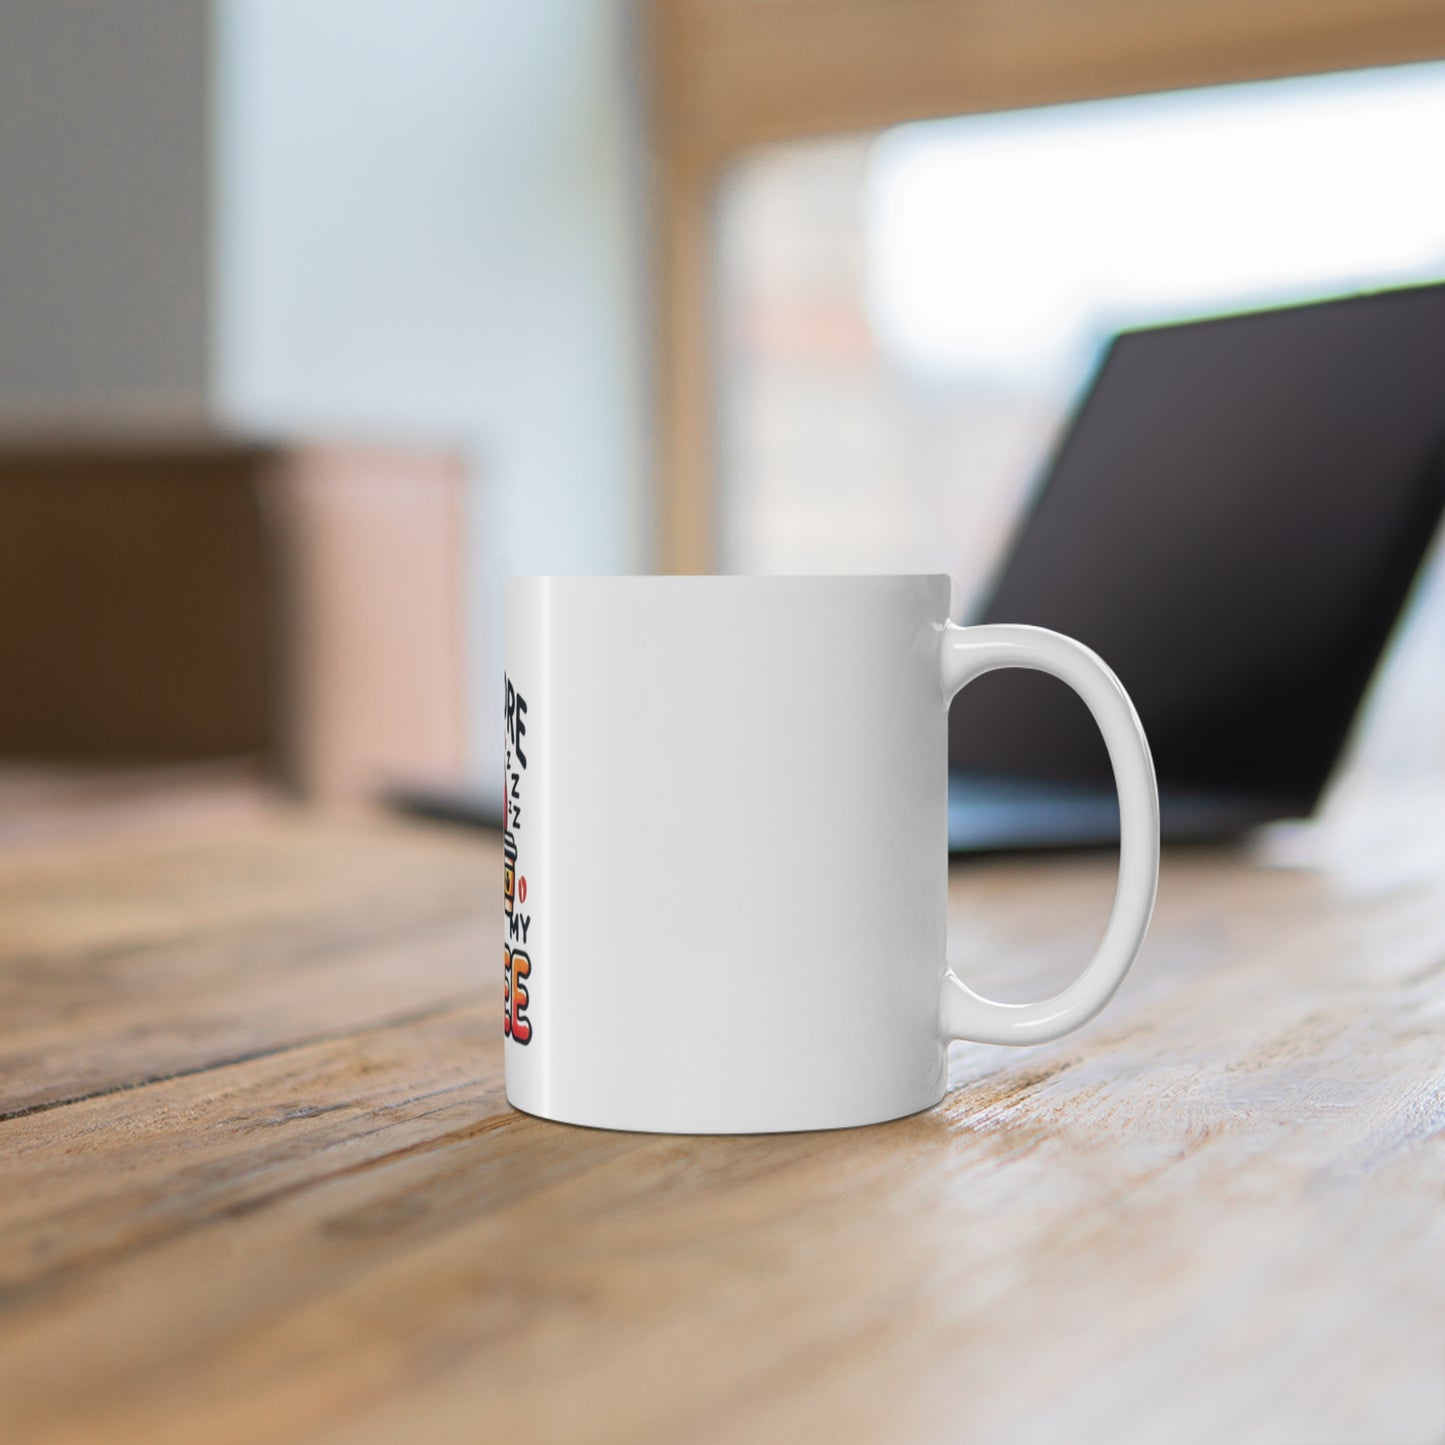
x=1232 y=522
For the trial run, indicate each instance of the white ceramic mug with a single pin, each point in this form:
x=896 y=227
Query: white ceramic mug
x=726 y=875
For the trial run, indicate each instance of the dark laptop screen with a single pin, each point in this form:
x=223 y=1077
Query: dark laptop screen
x=1232 y=522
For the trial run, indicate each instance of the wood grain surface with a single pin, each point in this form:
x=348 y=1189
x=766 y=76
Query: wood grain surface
x=259 y=1180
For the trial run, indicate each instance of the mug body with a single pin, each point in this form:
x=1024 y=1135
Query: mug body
x=726 y=852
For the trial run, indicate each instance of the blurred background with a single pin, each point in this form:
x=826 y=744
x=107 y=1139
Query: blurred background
x=319 y=319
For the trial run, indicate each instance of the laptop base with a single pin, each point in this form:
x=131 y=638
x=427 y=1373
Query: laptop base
x=997 y=814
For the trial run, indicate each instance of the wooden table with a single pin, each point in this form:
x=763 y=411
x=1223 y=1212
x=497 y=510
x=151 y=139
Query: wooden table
x=258 y=1179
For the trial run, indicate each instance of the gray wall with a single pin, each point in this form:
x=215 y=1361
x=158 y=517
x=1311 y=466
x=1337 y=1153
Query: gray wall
x=104 y=177
x=429 y=223
x=384 y=218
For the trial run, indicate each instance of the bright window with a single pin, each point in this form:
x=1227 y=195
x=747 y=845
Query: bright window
x=906 y=319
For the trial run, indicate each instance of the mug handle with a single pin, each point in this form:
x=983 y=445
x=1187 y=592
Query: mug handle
x=969 y=652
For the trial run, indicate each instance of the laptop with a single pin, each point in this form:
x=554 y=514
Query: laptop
x=1233 y=521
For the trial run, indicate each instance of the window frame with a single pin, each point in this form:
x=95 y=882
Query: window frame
x=727 y=76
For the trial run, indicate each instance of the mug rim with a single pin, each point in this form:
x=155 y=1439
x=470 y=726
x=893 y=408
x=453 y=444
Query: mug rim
x=684 y=577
